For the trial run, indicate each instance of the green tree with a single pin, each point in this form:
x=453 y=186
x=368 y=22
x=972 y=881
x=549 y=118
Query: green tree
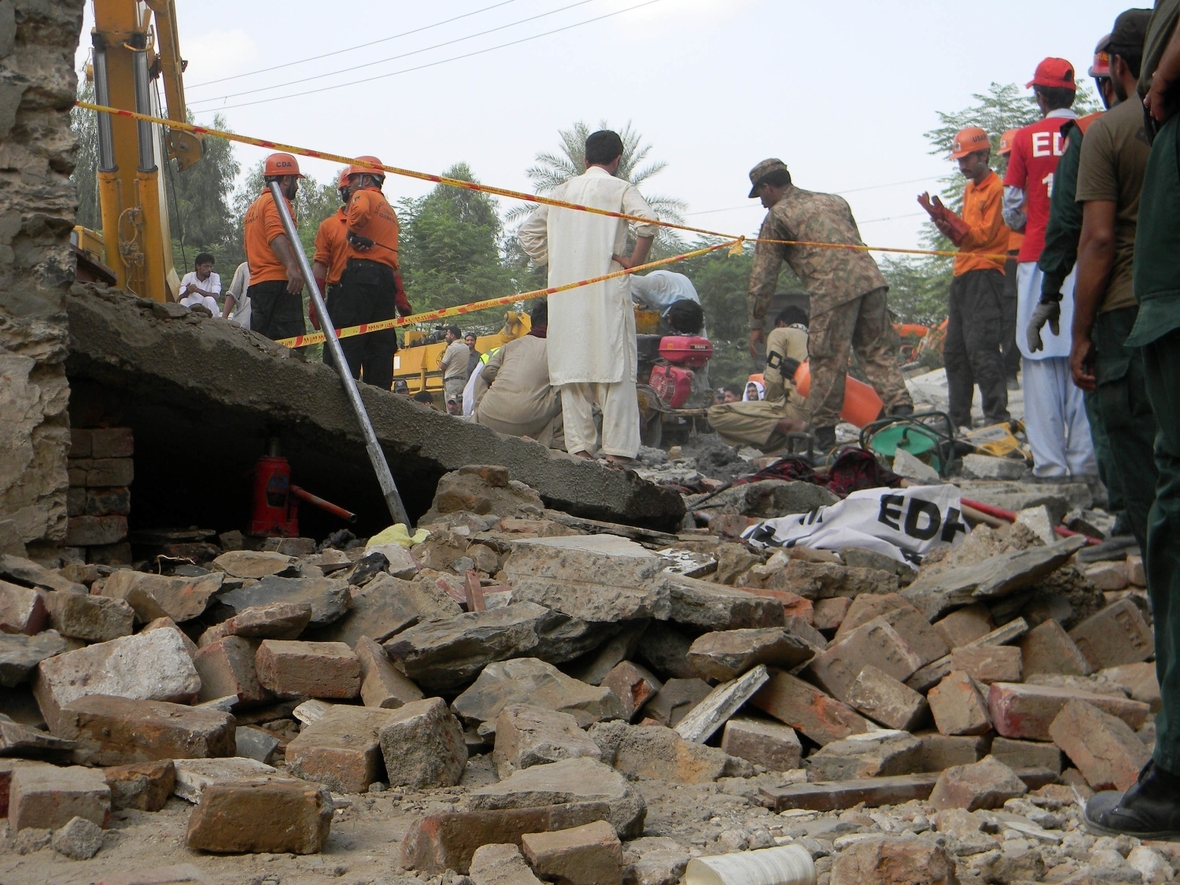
x=199 y=200
x=450 y=248
x=84 y=123
x=553 y=168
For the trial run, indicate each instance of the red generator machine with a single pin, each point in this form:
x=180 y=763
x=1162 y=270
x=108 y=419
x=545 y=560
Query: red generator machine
x=672 y=376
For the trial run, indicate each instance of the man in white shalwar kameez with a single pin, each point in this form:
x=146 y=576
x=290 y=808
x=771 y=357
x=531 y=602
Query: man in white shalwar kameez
x=592 y=328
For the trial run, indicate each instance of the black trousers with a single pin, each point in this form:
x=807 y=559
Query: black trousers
x=366 y=295
x=274 y=311
x=972 y=351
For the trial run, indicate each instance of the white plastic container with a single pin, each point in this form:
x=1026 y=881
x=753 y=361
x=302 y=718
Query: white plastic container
x=784 y=865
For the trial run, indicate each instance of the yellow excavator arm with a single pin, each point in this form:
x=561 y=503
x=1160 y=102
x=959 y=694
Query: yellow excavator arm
x=128 y=54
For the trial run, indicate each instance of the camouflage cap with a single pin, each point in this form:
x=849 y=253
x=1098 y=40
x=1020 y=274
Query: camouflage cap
x=763 y=169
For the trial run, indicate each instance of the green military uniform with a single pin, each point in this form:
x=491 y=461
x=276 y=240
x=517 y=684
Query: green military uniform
x=1157 y=332
x=1057 y=260
x=756 y=423
x=847 y=290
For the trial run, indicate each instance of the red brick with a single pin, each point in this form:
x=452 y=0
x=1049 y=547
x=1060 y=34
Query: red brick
x=587 y=855
x=1027 y=711
x=958 y=706
x=634 y=685
x=1047 y=648
x=1116 y=635
x=872 y=791
x=227 y=667
x=1001 y=663
x=292 y=668
x=988 y=783
x=143 y=785
x=940 y=751
x=886 y=700
x=46 y=797
x=80 y=442
x=93 y=531
x=382 y=684
x=807 y=709
x=829 y=614
x=866 y=607
x=446 y=841
x=965 y=625
x=926 y=642
x=121 y=731
x=22 y=609
x=1105 y=750
x=100 y=472
x=1107 y=576
x=263 y=816
x=875 y=643
x=342 y=749
x=1018 y=755
x=770 y=744
x=111 y=442
x=894 y=859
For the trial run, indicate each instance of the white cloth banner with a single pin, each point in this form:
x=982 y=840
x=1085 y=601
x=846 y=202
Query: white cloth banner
x=903 y=524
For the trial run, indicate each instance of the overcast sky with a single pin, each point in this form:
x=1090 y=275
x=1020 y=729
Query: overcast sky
x=841 y=91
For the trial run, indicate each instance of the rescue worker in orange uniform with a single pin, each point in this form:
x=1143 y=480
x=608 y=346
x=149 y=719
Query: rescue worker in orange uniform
x=974 y=331
x=330 y=251
x=276 y=283
x=1008 y=336
x=370 y=288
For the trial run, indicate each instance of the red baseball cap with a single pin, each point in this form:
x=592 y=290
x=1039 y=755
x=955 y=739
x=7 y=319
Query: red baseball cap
x=1054 y=73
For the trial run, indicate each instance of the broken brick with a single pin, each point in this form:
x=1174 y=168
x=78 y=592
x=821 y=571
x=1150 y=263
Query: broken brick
x=634 y=685
x=382 y=684
x=806 y=709
x=1103 y=747
x=145 y=786
x=587 y=855
x=1116 y=635
x=829 y=614
x=263 y=816
x=1019 y=755
x=886 y=700
x=875 y=754
x=45 y=797
x=342 y=749
x=122 y=731
x=527 y=735
x=1027 y=711
x=227 y=667
x=293 y=668
x=988 y=664
x=770 y=744
x=958 y=706
x=876 y=643
x=1047 y=648
x=423 y=745
x=22 y=609
x=965 y=625
x=988 y=783
x=941 y=751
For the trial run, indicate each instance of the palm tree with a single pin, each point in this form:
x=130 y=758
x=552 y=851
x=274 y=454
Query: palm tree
x=555 y=168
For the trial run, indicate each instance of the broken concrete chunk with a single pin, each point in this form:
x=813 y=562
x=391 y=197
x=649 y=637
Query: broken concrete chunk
x=227 y=667
x=22 y=609
x=386 y=606
x=652 y=751
x=883 y=860
x=587 y=855
x=528 y=735
x=448 y=653
x=1028 y=711
x=807 y=709
x=24 y=740
x=123 y=731
x=1118 y=634
x=78 y=840
x=1103 y=747
x=423 y=745
x=875 y=754
x=726 y=654
x=530 y=681
x=279 y=620
x=382 y=684
x=293 y=668
x=716 y=607
x=591 y=577
x=581 y=781
x=46 y=797
x=342 y=749
x=959 y=706
x=634 y=685
x=256 y=743
x=23 y=571
x=723 y=701
x=155 y=596
x=937 y=592
x=266 y=816
x=665 y=649
x=329 y=598
x=501 y=864
x=988 y=783
x=151 y=666
x=20 y=654
x=255 y=564
x=92 y=618
x=886 y=700
x=675 y=700
x=770 y=744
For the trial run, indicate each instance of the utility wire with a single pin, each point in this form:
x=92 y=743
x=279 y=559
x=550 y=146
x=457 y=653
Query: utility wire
x=432 y=64
x=350 y=48
x=855 y=190
x=395 y=57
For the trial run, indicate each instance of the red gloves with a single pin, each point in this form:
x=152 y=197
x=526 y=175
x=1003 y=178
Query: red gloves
x=951 y=225
x=404 y=307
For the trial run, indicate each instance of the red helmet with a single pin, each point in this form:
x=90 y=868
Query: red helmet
x=368 y=170
x=281 y=164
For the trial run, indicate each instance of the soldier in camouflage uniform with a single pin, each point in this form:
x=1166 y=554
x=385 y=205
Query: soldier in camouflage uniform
x=847 y=292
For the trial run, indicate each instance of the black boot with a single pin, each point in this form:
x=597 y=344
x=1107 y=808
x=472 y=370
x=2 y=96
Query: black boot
x=825 y=440
x=1150 y=809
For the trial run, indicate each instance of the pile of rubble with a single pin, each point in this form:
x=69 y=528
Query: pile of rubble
x=528 y=696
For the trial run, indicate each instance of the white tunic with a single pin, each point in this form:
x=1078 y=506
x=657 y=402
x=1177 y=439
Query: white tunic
x=592 y=328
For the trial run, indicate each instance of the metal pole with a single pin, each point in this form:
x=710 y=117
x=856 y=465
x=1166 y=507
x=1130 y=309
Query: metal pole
x=392 y=499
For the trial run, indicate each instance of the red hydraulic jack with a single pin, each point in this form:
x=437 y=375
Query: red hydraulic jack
x=276 y=500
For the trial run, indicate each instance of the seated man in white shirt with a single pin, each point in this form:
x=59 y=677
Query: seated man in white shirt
x=201 y=286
